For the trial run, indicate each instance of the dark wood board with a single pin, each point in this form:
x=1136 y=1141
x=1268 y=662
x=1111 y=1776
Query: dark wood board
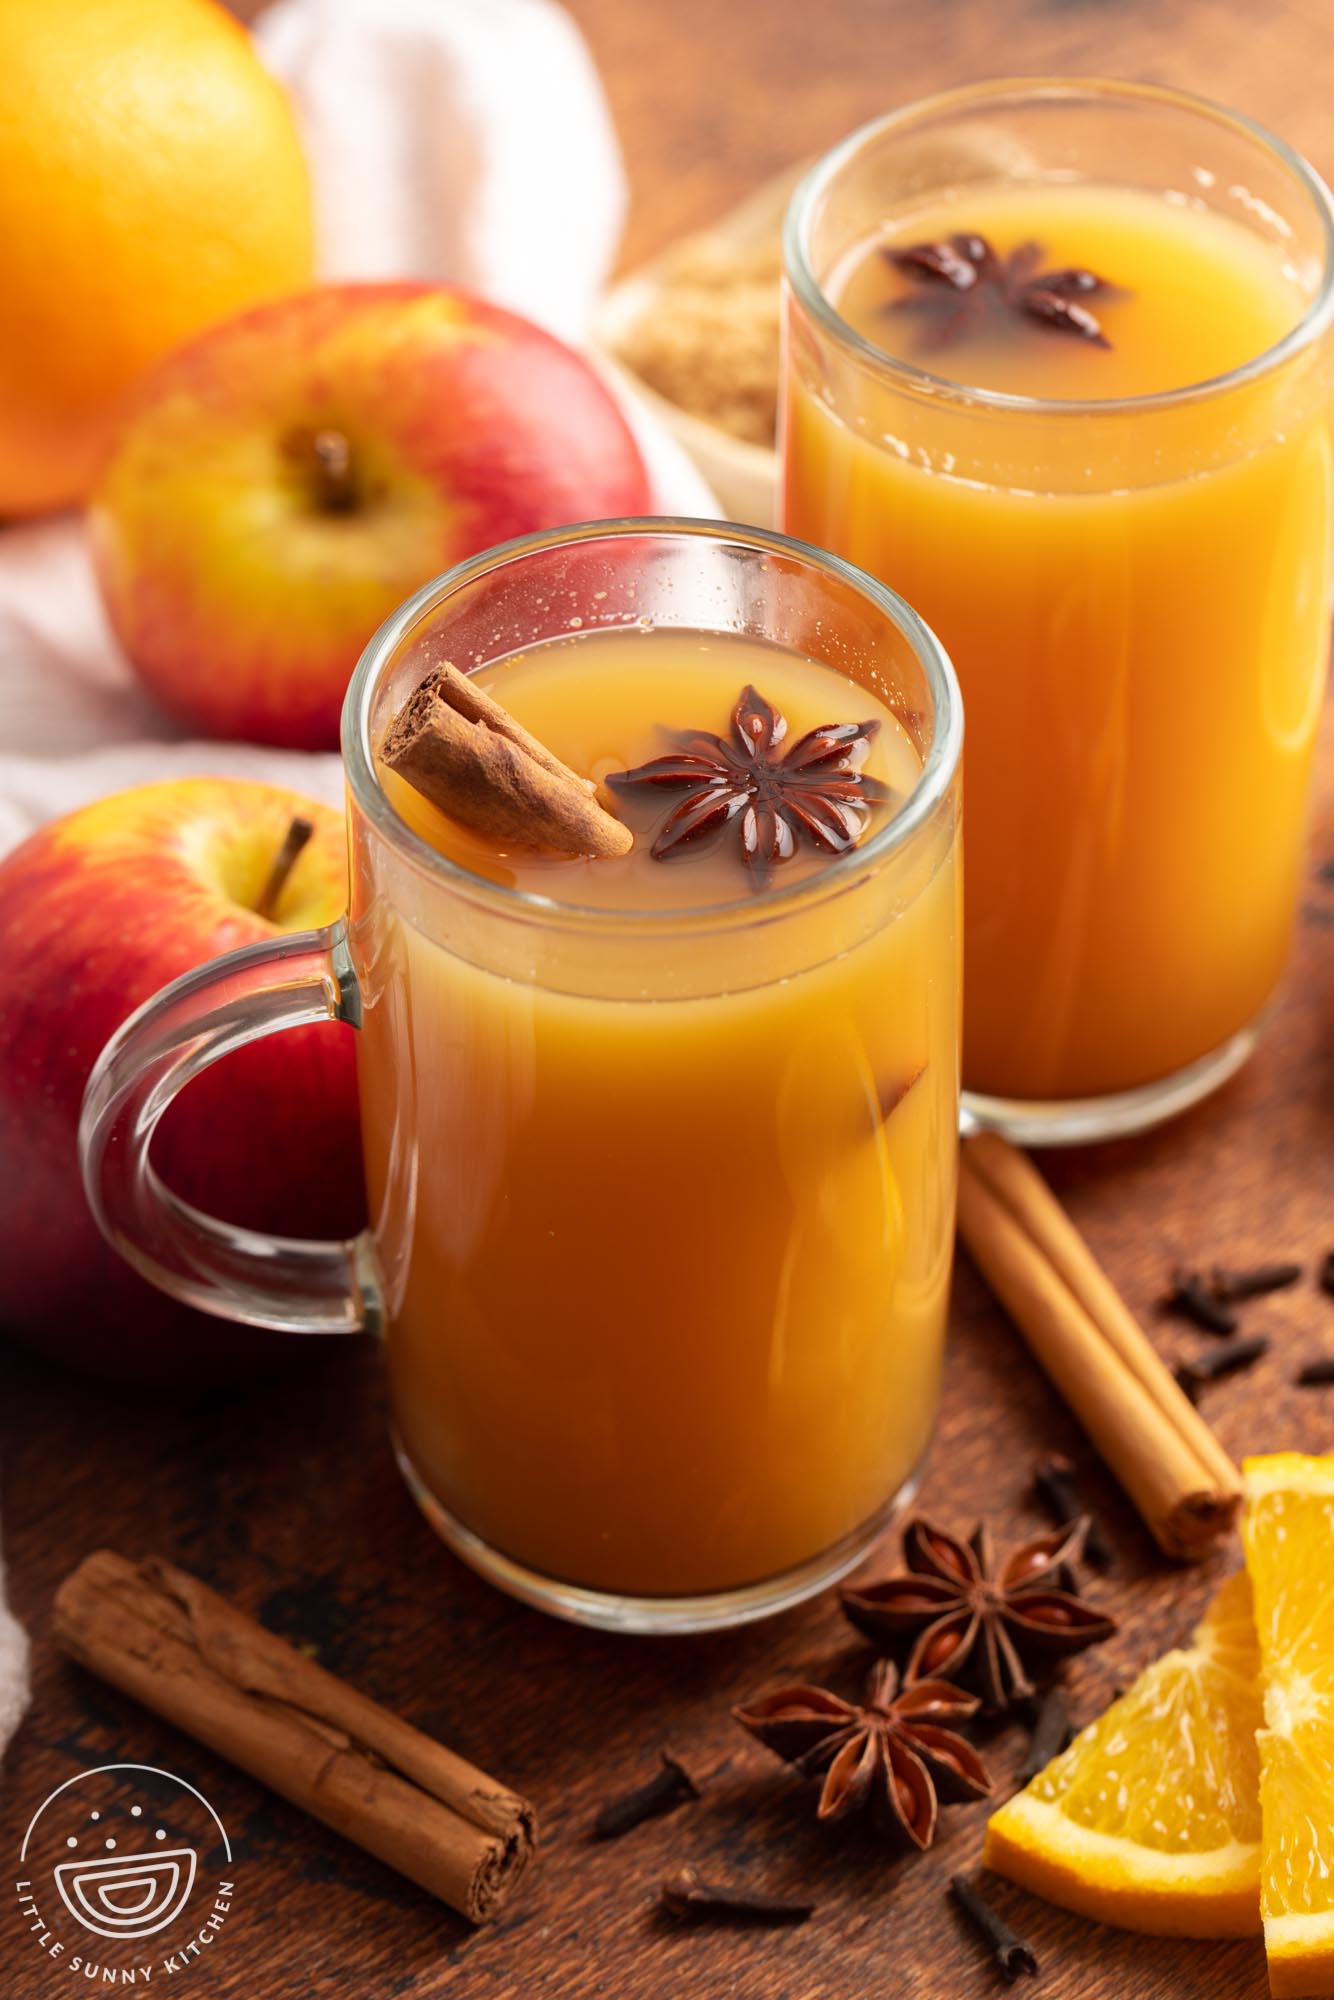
x=284 y=1495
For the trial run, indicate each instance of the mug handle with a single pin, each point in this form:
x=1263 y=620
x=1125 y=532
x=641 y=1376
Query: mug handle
x=287 y=1284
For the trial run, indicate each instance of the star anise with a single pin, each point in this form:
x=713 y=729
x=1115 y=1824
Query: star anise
x=894 y=1756
x=815 y=789
x=991 y=1628
x=965 y=284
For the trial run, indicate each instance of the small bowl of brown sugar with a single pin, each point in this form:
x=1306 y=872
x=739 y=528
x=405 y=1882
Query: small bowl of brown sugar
x=696 y=333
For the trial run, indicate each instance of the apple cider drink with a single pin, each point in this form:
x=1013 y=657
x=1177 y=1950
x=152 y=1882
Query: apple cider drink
x=1057 y=371
x=661 y=1165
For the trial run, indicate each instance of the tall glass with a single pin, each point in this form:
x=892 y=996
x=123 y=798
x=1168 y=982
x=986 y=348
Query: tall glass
x=1134 y=590
x=662 y=1199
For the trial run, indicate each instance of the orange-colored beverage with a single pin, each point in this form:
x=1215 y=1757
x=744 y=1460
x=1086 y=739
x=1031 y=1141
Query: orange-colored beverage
x=1026 y=403
x=663 y=1178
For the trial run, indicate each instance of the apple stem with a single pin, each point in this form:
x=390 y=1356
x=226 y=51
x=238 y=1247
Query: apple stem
x=327 y=456
x=298 y=833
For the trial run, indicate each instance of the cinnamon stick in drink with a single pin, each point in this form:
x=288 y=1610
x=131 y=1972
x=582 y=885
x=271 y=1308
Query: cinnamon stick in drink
x=469 y=757
x=164 y=1637
x=1088 y=1341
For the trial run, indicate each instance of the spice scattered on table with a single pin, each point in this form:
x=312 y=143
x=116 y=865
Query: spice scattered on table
x=1233 y=1286
x=1054 y=1483
x=1316 y=1374
x=1052 y=1733
x=1084 y=1335
x=896 y=1757
x=159 y=1634
x=1326 y=1275
x=692 y=1897
x=1010 y=1955
x=1201 y=1369
x=670 y=1786
x=1191 y=1298
x=993 y=1627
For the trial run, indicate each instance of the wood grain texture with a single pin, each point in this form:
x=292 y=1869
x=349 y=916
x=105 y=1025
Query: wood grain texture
x=284 y=1495
x=711 y=99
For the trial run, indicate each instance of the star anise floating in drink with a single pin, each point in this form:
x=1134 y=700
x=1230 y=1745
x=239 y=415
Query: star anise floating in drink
x=815 y=790
x=895 y=1757
x=965 y=284
x=994 y=1628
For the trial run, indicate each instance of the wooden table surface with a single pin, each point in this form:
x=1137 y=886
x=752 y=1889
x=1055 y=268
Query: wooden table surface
x=284 y=1496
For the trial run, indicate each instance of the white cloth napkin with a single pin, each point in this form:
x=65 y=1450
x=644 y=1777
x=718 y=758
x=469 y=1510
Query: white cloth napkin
x=466 y=140
x=13 y=1669
x=459 y=139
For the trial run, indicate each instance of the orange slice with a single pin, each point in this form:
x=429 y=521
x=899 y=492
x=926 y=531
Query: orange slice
x=1290 y=1555
x=1151 y=1818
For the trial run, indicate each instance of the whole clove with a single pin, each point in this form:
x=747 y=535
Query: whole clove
x=1220 y=1361
x=1052 y=1733
x=691 y=1897
x=1053 y=1480
x=670 y=1786
x=1233 y=1286
x=1009 y=1954
x=1316 y=1374
x=1191 y=1298
x=1326 y=1274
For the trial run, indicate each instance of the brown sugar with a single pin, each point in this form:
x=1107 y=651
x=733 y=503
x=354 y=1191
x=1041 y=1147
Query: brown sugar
x=710 y=342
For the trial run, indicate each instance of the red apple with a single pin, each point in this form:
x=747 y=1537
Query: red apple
x=97 y=911
x=282 y=483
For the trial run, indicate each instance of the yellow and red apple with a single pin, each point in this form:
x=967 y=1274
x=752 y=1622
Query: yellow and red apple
x=97 y=911
x=286 y=480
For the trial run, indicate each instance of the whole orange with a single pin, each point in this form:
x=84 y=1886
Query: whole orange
x=151 y=182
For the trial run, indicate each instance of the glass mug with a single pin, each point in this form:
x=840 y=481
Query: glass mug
x=659 y=1259
x=1134 y=590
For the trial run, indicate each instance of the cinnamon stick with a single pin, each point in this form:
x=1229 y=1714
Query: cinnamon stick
x=461 y=750
x=1096 y=1353
x=164 y=1637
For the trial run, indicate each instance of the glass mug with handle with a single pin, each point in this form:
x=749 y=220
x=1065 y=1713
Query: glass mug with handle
x=661 y=1177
